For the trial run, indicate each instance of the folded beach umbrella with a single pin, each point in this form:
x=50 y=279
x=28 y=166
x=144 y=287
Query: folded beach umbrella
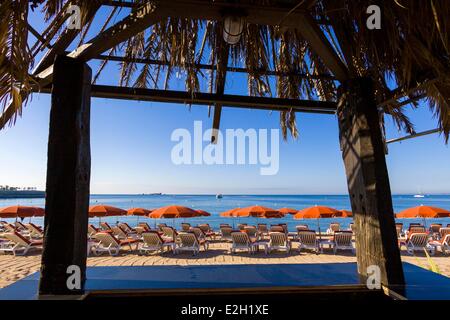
x=21 y=212
x=105 y=211
x=424 y=212
x=288 y=211
x=173 y=212
x=203 y=213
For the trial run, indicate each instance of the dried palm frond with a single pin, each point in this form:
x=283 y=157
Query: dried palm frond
x=15 y=56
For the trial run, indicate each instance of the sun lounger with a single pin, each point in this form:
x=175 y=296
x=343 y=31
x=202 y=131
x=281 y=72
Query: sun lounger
x=252 y=232
x=262 y=229
x=161 y=225
x=185 y=227
x=443 y=232
x=105 y=226
x=121 y=234
x=278 y=241
x=241 y=226
x=126 y=227
x=301 y=227
x=334 y=227
x=169 y=233
x=190 y=242
x=209 y=232
x=34 y=231
x=419 y=242
x=242 y=241
x=145 y=226
x=152 y=241
x=92 y=230
x=342 y=240
x=109 y=243
x=225 y=233
x=277 y=228
x=399 y=229
x=18 y=244
x=20 y=226
x=308 y=240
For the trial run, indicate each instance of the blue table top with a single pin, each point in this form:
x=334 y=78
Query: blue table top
x=421 y=284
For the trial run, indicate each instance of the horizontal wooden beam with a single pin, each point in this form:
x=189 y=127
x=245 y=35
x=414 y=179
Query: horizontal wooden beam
x=206 y=99
x=204 y=66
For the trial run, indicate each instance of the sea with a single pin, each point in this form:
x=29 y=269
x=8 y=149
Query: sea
x=215 y=206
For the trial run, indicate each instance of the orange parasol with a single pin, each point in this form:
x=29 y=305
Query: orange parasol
x=424 y=212
x=140 y=212
x=343 y=214
x=230 y=213
x=203 y=213
x=105 y=211
x=173 y=212
x=316 y=212
x=21 y=212
x=288 y=211
x=259 y=212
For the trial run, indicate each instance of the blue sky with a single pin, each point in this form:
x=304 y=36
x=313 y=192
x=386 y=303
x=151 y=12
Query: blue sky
x=131 y=150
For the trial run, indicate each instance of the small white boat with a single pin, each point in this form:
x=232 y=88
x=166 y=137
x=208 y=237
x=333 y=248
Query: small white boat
x=219 y=196
x=419 y=196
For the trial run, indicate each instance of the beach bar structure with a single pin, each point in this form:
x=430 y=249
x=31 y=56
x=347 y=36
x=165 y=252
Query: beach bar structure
x=325 y=57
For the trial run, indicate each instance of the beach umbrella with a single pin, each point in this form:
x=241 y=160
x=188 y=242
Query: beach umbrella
x=259 y=212
x=288 y=211
x=203 y=213
x=105 y=211
x=316 y=212
x=343 y=214
x=173 y=212
x=424 y=212
x=230 y=213
x=21 y=212
x=138 y=212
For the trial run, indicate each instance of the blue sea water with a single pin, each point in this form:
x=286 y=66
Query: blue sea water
x=215 y=206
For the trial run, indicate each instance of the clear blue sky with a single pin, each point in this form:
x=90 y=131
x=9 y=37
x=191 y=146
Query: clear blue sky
x=131 y=150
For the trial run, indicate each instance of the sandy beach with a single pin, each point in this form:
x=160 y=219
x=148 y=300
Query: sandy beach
x=14 y=268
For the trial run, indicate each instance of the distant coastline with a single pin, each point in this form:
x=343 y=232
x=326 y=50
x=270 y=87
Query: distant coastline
x=18 y=194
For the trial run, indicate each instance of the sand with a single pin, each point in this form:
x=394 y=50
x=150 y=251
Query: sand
x=14 y=268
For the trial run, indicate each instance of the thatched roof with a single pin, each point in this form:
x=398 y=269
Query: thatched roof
x=411 y=50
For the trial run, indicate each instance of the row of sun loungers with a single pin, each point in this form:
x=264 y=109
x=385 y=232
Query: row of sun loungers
x=417 y=239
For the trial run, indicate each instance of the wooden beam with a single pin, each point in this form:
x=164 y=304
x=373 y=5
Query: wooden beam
x=68 y=178
x=416 y=135
x=309 y=29
x=368 y=182
x=63 y=42
x=214 y=67
x=207 y=99
x=221 y=74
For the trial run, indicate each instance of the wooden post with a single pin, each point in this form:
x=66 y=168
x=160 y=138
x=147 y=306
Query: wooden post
x=68 y=178
x=363 y=151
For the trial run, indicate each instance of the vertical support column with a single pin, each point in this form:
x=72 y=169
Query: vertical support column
x=363 y=153
x=68 y=178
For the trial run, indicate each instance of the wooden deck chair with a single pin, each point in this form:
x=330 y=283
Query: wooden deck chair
x=185 y=227
x=419 y=242
x=169 y=233
x=35 y=232
x=278 y=241
x=241 y=241
x=308 y=240
x=343 y=241
x=105 y=226
x=334 y=227
x=152 y=241
x=435 y=228
x=119 y=233
x=19 y=245
x=414 y=229
x=107 y=242
x=190 y=242
x=225 y=233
